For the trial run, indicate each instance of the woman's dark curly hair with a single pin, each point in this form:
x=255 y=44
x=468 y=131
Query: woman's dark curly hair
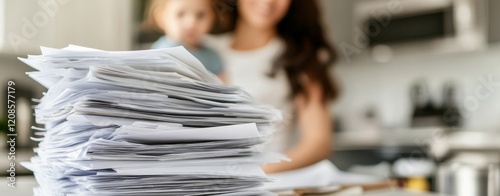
x=307 y=51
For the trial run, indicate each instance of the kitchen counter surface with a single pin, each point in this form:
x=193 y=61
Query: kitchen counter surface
x=25 y=185
x=399 y=192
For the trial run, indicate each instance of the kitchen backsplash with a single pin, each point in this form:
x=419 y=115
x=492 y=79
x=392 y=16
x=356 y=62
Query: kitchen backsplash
x=385 y=87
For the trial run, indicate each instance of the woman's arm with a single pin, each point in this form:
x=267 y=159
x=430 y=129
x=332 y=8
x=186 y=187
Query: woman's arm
x=315 y=125
x=223 y=77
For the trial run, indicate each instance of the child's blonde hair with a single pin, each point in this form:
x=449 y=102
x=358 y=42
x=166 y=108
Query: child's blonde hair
x=149 y=16
x=152 y=7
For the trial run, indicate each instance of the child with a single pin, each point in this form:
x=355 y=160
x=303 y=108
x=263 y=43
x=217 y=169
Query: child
x=185 y=22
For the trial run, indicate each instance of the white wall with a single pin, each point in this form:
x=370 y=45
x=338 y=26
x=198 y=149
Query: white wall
x=56 y=23
x=387 y=87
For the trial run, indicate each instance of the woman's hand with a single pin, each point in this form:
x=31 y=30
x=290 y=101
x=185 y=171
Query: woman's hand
x=316 y=134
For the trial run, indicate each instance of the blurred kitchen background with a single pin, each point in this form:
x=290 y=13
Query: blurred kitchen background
x=420 y=81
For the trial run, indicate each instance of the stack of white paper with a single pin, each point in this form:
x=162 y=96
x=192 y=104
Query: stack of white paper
x=151 y=122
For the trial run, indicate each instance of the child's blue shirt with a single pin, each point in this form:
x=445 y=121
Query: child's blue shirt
x=207 y=56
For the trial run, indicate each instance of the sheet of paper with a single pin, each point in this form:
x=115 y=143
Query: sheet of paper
x=321 y=174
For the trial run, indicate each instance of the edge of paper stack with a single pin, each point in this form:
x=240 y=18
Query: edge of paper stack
x=149 y=122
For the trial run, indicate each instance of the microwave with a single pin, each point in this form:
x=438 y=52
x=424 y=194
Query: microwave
x=387 y=28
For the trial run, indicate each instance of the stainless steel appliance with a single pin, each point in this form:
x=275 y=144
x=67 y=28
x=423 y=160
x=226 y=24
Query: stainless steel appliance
x=472 y=168
x=424 y=26
x=469 y=175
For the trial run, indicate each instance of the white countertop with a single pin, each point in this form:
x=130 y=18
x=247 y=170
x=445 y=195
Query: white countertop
x=25 y=185
x=399 y=192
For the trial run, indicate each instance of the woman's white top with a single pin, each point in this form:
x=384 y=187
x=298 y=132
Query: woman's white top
x=249 y=70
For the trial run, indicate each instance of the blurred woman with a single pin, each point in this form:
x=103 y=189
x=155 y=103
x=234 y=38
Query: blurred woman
x=276 y=50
